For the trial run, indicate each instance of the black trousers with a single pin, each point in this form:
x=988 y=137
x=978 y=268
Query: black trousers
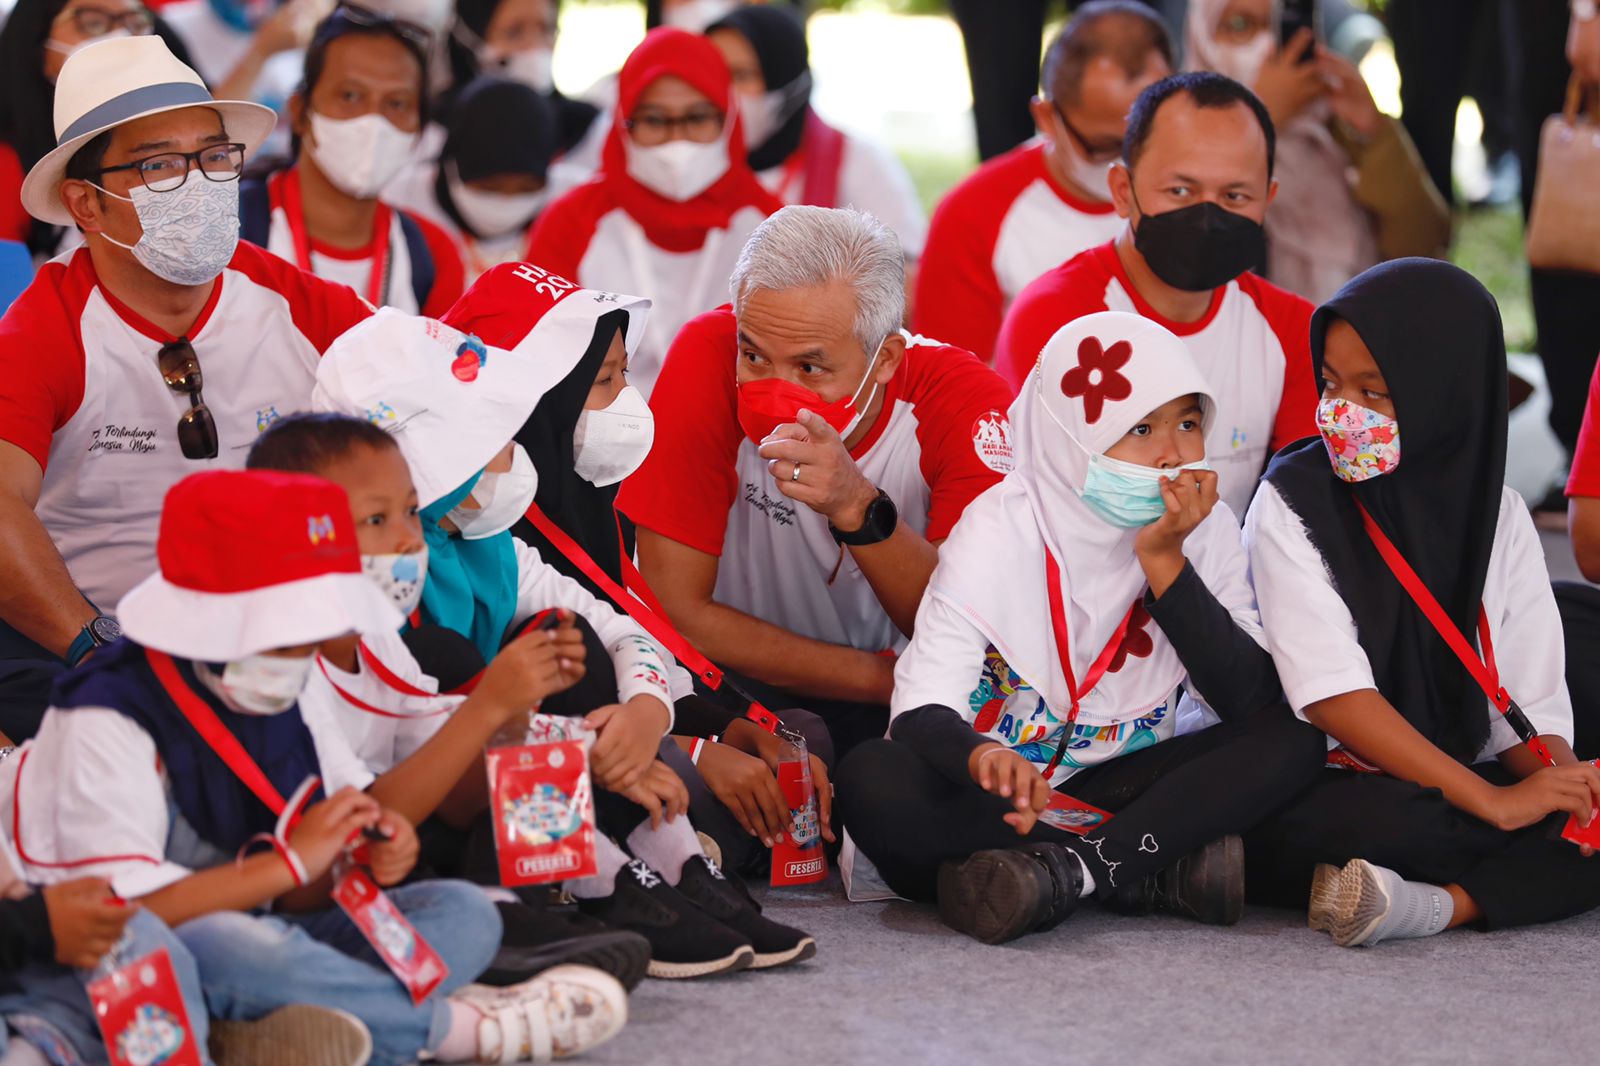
x=1516 y=878
x=1169 y=800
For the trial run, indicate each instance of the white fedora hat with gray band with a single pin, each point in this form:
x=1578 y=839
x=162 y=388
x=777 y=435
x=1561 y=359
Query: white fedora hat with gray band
x=116 y=81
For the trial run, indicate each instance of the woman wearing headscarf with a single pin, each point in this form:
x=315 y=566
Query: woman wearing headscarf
x=798 y=157
x=674 y=200
x=1372 y=550
x=1352 y=191
x=1036 y=700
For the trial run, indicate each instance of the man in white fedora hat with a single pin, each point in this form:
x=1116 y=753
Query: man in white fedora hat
x=159 y=348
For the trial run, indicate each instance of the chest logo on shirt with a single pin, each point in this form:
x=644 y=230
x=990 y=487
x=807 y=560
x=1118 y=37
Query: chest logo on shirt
x=1239 y=438
x=114 y=438
x=779 y=510
x=991 y=439
x=265 y=416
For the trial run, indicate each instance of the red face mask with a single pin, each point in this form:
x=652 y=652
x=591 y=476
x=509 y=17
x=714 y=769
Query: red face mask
x=767 y=403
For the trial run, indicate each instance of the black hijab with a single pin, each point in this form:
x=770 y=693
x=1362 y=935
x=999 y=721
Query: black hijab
x=573 y=117
x=1435 y=333
x=779 y=38
x=476 y=142
x=585 y=512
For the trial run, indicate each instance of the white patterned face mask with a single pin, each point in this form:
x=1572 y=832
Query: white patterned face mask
x=190 y=233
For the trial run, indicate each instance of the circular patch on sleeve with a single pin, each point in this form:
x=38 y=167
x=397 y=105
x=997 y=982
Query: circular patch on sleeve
x=991 y=439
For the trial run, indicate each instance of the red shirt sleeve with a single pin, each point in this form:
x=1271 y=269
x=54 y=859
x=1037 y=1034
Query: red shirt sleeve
x=41 y=356
x=690 y=478
x=1290 y=318
x=15 y=222
x=449 y=272
x=322 y=309
x=562 y=232
x=958 y=296
x=954 y=397
x=1058 y=296
x=1585 y=477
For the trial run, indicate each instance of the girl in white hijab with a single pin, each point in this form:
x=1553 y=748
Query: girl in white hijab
x=1034 y=671
x=1351 y=189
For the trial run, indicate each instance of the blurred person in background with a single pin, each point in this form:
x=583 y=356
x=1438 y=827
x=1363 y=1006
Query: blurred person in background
x=355 y=118
x=798 y=157
x=674 y=200
x=1044 y=202
x=36 y=39
x=1327 y=225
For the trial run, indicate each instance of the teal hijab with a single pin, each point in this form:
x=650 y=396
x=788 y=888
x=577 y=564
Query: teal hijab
x=472 y=584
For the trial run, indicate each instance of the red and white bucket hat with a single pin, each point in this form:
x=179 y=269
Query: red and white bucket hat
x=251 y=561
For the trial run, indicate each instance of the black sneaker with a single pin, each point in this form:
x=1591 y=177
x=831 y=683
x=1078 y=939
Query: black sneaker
x=728 y=902
x=998 y=895
x=1207 y=885
x=536 y=940
x=684 y=940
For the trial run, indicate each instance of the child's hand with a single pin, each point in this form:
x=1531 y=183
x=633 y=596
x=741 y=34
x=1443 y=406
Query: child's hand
x=1190 y=495
x=660 y=791
x=86 y=920
x=746 y=787
x=394 y=858
x=1001 y=771
x=1573 y=789
x=325 y=829
x=538 y=664
x=629 y=735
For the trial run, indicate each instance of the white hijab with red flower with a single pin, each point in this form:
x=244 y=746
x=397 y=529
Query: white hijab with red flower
x=1096 y=379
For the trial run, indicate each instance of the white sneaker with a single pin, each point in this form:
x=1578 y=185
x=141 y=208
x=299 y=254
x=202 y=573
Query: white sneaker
x=563 y=1011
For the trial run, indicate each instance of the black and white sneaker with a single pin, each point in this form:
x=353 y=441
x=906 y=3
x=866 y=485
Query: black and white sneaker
x=728 y=902
x=539 y=938
x=684 y=940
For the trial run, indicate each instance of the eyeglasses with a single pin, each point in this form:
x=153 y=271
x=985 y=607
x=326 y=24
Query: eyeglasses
x=356 y=15
x=197 y=430
x=168 y=171
x=702 y=124
x=1104 y=152
x=97 y=21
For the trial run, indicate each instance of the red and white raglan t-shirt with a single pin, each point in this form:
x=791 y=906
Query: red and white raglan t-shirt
x=991 y=235
x=382 y=270
x=1584 y=480
x=585 y=237
x=84 y=396
x=1253 y=344
x=940 y=440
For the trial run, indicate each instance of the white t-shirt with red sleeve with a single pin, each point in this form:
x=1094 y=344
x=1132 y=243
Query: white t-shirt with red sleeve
x=1253 y=344
x=1003 y=226
x=940 y=440
x=84 y=396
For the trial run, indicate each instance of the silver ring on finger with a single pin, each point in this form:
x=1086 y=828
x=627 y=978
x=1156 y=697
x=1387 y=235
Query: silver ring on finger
x=795 y=475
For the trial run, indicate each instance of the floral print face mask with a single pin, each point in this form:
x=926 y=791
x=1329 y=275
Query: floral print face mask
x=1362 y=443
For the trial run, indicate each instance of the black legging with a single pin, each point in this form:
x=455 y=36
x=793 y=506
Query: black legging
x=1169 y=800
x=1516 y=878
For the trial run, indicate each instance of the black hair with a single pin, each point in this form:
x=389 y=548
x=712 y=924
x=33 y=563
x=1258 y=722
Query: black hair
x=86 y=162
x=338 y=26
x=1207 y=90
x=308 y=443
x=27 y=99
x=1123 y=31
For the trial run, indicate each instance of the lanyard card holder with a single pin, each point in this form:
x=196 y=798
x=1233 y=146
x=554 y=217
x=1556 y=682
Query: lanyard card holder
x=140 y=1010
x=409 y=957
x=1073 y=815
x=1583 y=836
x=798 y=858
x=542 y=801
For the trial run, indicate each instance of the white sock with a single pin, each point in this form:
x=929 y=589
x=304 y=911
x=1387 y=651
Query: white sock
x=1416 y=908
x=665 y=849
x=609 y=860
x=460 y=1043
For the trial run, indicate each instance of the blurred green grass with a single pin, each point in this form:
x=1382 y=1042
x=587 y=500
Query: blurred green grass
x=1488 y=241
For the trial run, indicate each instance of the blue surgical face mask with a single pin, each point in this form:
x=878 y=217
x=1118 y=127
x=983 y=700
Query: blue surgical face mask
x=1127 y=494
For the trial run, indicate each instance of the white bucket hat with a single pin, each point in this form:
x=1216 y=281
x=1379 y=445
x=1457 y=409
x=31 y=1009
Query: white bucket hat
x=450 y=411
x=115 y=81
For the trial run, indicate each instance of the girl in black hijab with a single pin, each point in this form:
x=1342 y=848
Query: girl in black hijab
x=1434 y=812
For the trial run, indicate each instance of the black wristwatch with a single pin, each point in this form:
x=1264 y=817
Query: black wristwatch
x=100 y=631
x=882 y=518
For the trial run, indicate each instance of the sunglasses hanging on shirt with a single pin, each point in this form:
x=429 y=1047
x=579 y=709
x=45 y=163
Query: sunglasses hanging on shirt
x=197 y=430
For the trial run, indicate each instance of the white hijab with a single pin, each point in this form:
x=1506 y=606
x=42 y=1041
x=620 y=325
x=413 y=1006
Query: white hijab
x=993 y=567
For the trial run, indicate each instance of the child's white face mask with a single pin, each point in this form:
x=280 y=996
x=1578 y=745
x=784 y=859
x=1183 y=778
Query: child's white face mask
x=259 y=684
x=502 y=499
x=399 y=575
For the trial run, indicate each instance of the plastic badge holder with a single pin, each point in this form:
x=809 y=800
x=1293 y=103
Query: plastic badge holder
x=542 y=800
x=409 y=957
x=1073 y=815
x=798 y=858
x=1580 y=835
x=139 y=1007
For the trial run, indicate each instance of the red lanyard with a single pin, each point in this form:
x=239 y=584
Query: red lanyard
x=377 y=277
x=227 y=747
x=388 y=677
x=1097 y=670
x=1483 y=670
x=642 y=606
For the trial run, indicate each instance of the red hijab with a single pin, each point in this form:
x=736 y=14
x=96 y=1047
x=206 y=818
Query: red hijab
x=671 y=224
